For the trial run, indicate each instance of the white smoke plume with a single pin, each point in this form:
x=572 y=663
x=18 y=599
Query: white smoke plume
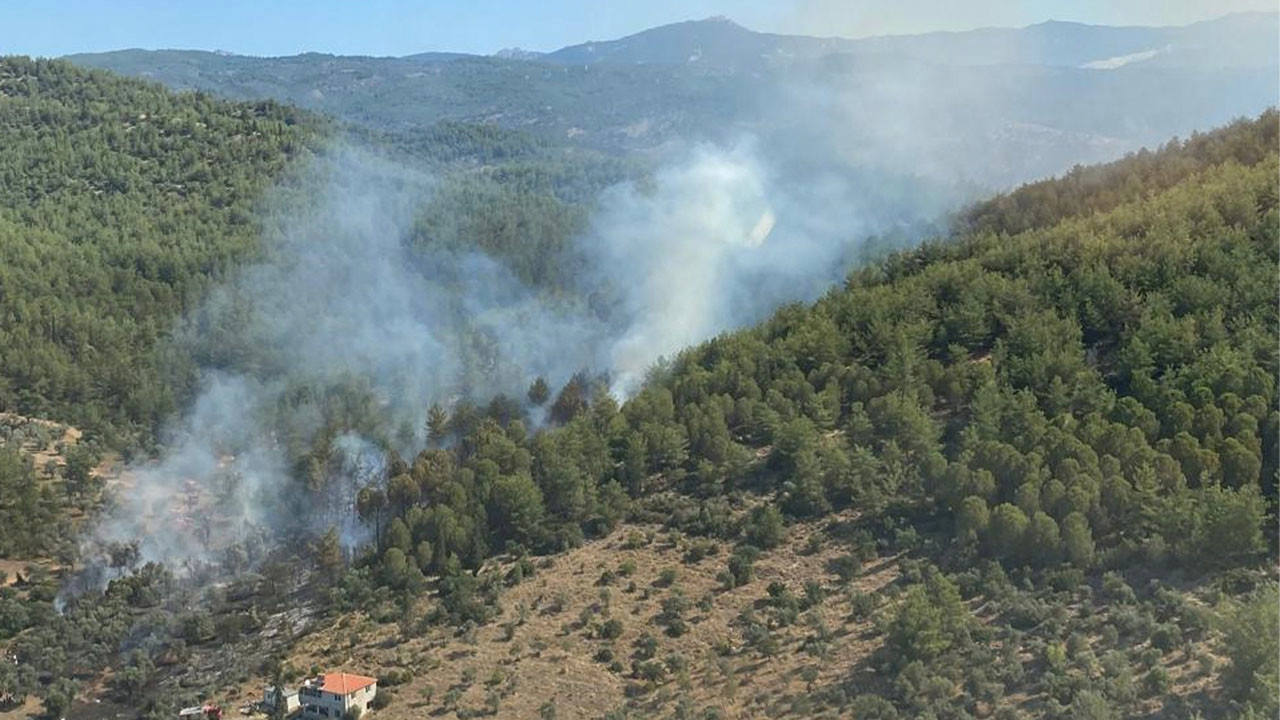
x=338 y=297
x=710 y=244
x=716 y=239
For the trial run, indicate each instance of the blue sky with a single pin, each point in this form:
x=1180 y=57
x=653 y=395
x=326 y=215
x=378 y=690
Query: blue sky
x=397 y=27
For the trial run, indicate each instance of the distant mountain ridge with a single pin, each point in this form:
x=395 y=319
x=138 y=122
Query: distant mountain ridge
x=716 y=41
x=1236 y=40
x=1244 y=39
x=515 y=53
x=1041 y=98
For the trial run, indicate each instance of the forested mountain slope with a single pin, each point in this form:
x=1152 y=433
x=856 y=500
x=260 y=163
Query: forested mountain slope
x=613 y=108
x=1025 y=471
x=122 y=203
x=1029 y=468
x=119 y=203
x=1048 y=412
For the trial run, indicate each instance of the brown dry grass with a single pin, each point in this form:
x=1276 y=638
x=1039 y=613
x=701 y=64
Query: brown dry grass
x=50 y=453
x=549 y=657
x=10 y=569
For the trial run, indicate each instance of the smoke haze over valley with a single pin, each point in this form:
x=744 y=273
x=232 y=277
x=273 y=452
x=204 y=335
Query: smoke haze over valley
x=835 y=142
x=722 y=373
x=344 y=303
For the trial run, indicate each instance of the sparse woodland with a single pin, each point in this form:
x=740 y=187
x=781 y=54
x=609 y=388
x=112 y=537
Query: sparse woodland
x=1025 y=470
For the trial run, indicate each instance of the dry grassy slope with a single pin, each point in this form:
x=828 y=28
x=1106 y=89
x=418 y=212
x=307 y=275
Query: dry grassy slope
x=550 y=655
x=46 y=442
x=43 y=440
x=542 y=647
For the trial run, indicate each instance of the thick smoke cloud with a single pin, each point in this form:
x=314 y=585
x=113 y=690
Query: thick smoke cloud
x=343 y=294
x=674 y=252
x=338 y=298
x=714 y=242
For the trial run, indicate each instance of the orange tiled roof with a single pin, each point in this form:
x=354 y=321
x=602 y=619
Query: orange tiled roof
x=345 y=683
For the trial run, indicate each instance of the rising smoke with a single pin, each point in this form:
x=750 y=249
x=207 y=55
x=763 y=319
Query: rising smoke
x=717 y=241
x=342 y=301
x=340 y=298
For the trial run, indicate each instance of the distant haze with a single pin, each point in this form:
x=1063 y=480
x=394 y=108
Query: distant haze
x=394 y=27
x=906 y=17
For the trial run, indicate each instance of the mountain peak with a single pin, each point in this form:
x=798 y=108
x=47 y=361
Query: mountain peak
x=716 y=41
x=515 y=53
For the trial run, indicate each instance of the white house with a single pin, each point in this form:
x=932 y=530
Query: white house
x=291 y=702
x=333 y=695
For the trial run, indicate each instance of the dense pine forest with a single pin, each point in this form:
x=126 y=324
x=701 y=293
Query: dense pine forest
x=1057 y=423
x=119 y=204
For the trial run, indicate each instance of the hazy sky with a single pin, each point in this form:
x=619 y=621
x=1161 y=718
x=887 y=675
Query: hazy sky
x=397 y=27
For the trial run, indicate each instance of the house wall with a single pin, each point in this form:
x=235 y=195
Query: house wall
x=315 y=703
x=362 y=697
x=290 y=700
x=320 y=704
